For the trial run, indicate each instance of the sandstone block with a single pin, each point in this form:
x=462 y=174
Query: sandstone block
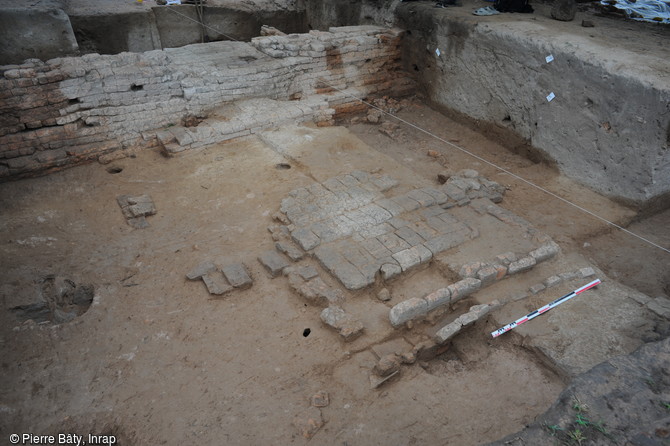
x=237 y=275
x=273 y=262
x=523 y=264
x=200 y=270
x=407 y=310
x=544 y=252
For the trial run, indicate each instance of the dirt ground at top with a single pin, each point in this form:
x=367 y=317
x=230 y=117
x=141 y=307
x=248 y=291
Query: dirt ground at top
x=157 y=360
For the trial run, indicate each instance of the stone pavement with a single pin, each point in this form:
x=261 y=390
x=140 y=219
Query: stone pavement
x=359 y=231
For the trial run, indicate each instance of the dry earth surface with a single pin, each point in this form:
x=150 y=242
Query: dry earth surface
x=157 y=360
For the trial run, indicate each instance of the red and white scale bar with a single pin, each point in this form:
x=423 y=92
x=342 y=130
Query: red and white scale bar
x=544 y=309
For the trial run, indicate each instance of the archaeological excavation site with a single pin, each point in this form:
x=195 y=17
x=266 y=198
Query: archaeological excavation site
x=343 y=222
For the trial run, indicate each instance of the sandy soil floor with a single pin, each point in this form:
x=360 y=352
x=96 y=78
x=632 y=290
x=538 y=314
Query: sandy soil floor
x=156 y=360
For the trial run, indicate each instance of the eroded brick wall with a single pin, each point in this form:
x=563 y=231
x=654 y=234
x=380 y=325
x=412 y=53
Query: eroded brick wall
x=70 y=110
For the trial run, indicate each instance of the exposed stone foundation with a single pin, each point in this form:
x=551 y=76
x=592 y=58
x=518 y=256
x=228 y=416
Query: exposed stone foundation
x=71 y=110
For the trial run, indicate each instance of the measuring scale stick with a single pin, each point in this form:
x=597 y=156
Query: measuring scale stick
x=544 y=309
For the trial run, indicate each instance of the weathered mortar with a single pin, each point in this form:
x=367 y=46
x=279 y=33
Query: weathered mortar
x=69 y=110
x=608 y=126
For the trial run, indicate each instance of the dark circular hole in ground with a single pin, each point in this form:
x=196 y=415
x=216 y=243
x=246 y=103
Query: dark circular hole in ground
x=306 y=332
x=114 y=169
x=282 y=166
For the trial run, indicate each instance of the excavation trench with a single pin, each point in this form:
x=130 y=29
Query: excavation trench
x=253 y=169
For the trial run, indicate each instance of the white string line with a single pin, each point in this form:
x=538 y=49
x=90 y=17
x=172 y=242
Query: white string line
x=490 y=163
x=502 y=169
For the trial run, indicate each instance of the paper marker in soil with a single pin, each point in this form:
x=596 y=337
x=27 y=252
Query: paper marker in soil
x=544 y=309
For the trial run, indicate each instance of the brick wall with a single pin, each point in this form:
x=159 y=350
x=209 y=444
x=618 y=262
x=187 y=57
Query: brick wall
x=71 y=110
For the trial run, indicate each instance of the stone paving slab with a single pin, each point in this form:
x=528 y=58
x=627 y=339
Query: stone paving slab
x=290 y=249
x=273 y=262
x=346 y=325
x=237 y=275
x=136 y=208
x=216 y=284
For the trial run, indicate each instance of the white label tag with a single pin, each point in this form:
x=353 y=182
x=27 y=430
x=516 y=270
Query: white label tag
x=437 y=51
x=549 y=58
x=551 y=97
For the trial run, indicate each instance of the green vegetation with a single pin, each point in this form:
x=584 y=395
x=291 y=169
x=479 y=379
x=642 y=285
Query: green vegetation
x=581 y=428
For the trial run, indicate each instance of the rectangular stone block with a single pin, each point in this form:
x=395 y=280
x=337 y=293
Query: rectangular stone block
x=237 y=275
x=425 y=231
x=348 y=180
x=273 y=262
x=390 y=206
x=407 y=203
x=587 y=272
x=307 y=272
x=378 y=214
x=506 y=258
x=407 y=310
x=339 y=267
x=376 y=248
x=447 y=332
x=290 y=249
x=538 y=287
x=390 y=270
x=523 y=264
x=439 y=196
x=412 y=257
x=544 y=252
x=430 y=211
x=552 y=281
x=442 y=243
x=487 y=275
x=393 y=243
x=334 y=185
x=440 y=225
x=375 y=231
x=453 y=192
x=569 y=275
x=463 y=288
x=201 y=270
x=423 y=198
x=216 y=284
x=397 y=222
x=356 y=255
x=409 y=235
x=305 y=238
x=384 y=182
x=438 y=298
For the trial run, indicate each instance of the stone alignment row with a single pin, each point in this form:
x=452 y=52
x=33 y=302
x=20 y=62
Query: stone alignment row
x=474 y=276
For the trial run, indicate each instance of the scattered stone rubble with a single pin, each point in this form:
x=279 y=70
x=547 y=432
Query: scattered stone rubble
x=221 y=281
x=136 y=208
